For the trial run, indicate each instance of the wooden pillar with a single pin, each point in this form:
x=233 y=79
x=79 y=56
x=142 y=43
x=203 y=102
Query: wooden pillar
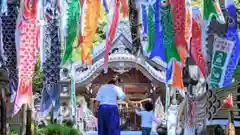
x=154 y=94
x=3 y=101
x=24 y=119
x=3 y=116
x=230 y=130
x=29 y=121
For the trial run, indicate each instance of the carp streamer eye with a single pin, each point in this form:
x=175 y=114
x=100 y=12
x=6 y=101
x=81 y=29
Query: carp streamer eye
x=231 y=21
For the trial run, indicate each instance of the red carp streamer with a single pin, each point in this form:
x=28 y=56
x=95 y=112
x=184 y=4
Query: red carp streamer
x=179 y=17
x=29 y=33
x=114 y=15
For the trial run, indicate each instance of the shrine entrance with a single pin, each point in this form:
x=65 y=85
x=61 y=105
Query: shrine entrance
x=138 y=88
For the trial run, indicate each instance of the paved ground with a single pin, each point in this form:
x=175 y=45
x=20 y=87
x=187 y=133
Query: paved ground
x=122 y=133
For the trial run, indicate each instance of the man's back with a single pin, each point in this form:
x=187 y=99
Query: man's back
x=108 y=94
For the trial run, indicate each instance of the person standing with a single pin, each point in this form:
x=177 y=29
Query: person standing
x=147 y=117
x=108 y=115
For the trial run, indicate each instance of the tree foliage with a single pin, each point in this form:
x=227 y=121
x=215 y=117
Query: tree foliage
x=37 y=77
x=237 y=73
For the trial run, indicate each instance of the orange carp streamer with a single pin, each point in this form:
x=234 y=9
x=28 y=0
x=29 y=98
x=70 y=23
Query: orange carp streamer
x=90 y=18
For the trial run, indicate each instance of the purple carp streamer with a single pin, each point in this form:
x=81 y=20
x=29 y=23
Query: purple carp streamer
x=52 y=58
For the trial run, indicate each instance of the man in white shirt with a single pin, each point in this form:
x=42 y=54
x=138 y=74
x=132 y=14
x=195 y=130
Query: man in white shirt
x=108 y=115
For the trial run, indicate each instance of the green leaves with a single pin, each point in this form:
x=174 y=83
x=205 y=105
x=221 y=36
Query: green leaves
x=59 y=129
x=237 y=73
x=37 y=77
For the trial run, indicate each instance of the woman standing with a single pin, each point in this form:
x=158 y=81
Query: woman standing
x=108 y=115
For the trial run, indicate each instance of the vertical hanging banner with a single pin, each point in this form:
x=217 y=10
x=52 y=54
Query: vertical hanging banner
x=89 y=22
x=196 y=49
x=72 y=26
x=188 y=22
x=9 y=47
x=222 y=50
x=232 y=34
x=151 y=34
x=29 y=32
x=51 y=58
x=113 y=20
x=73 y=96
x=179 y=20
x=210 y=9
x=144 y=19
x=158 y=50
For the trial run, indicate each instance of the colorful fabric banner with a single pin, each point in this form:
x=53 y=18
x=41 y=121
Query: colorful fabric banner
x=113 y=19
x=168 y=34
x=209 y=9
x=188 y=22
x=28 y=52
x=73 y=19
x=232 y=34
x=179 y=18
x=73 y=97
x=151 y=33
x=196 y=50
x=51 y=58
x=158 y=49
x=40 y=20
x=9 y=47
x=171 y=52
x=105 y=5
x=144 y=20
x=222 y=50
x=89 y=23
x=177 y=81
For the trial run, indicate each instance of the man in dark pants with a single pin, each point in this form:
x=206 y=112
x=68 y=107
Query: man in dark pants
x=108 y=115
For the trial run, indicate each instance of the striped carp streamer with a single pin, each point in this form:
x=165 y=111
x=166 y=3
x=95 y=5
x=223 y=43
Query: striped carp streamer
x=52 y=58
x=113 y=20
x=89 y=22
x=29 y=32
x=168 y=32
x=172 y=57
x=232 y=34
x=210 y=8
x=196 y=49
x=179 y=17
x=72 y=36
x=9 y=46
